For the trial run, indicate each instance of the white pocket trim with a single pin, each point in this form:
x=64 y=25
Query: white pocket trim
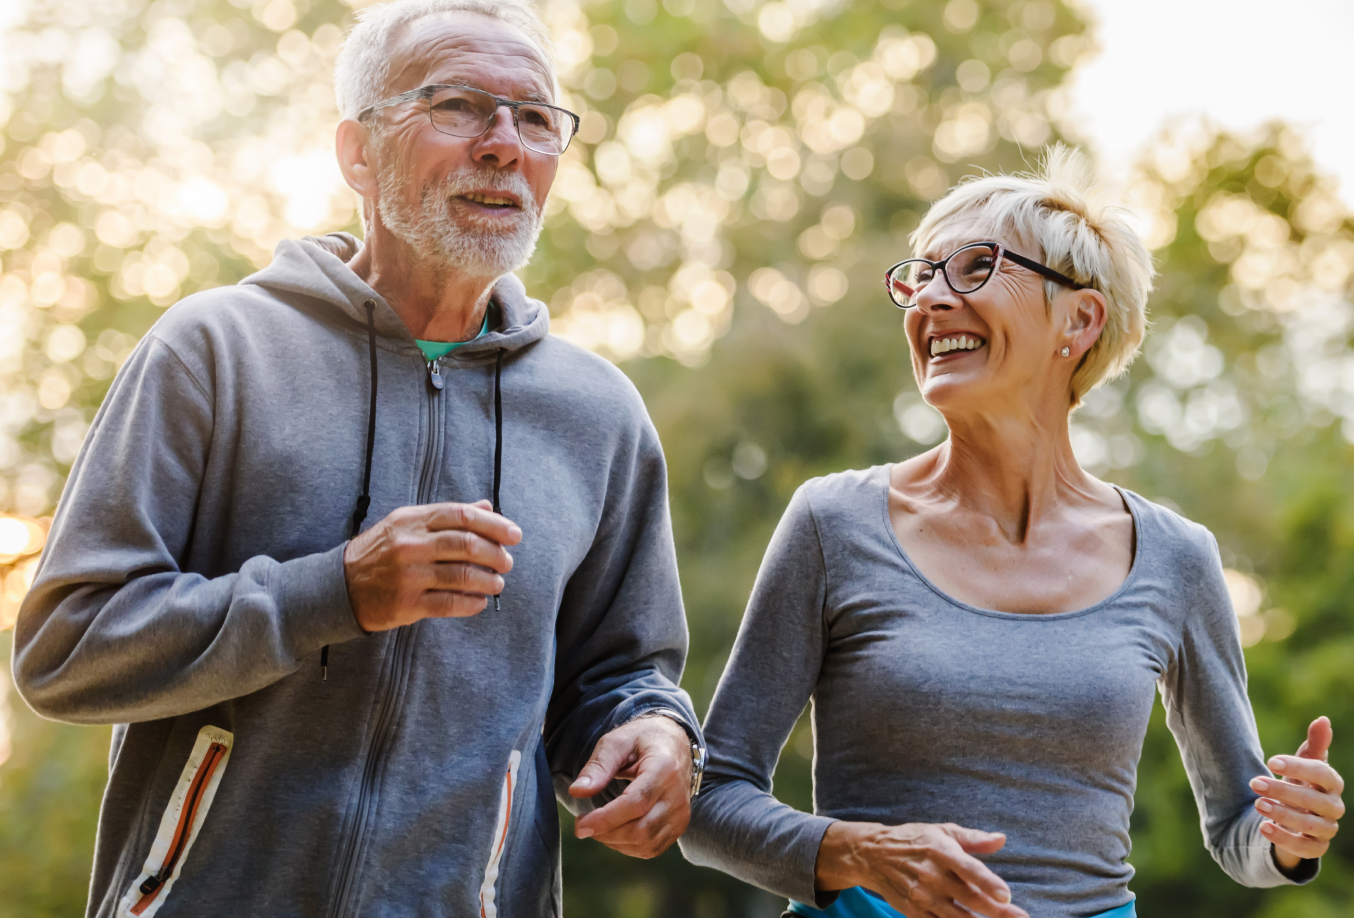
x=196 y=789
x=487 y=889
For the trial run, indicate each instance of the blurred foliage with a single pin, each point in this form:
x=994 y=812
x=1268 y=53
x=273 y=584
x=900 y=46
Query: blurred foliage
x=745 y=171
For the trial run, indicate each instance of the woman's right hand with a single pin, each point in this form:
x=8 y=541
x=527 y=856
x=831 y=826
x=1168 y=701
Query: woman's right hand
x=923 y=870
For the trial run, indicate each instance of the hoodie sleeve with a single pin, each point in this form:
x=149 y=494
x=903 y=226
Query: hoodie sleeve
x=1208 y=711
x=621 y=632
x=113 y=631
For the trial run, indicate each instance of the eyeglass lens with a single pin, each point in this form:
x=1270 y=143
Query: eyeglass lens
x=464 y=112
x=966 y=270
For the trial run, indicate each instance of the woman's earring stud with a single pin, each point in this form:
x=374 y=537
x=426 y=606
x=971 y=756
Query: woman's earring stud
x=1067 y=352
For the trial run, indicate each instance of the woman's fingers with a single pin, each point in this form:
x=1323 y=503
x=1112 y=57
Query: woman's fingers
x=973 y=872
x=948 y=897
x=1303 y=846
x=1298 y=821
x=1315 y=772
x=978 y=901
x=1300 y=797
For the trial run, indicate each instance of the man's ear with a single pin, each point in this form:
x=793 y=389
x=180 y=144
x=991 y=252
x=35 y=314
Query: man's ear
x=352 y=145
x=1085 y=319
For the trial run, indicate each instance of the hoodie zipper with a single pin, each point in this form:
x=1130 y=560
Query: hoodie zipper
x=197 y=789
x=393 y=688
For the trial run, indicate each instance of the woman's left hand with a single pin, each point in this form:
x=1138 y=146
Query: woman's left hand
x=1302 y=810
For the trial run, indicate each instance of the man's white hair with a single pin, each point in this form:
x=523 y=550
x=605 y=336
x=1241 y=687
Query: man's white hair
x=1057 y=209
x=363 y=64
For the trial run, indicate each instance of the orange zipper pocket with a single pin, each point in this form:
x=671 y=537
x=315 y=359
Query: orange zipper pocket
x=179 y=827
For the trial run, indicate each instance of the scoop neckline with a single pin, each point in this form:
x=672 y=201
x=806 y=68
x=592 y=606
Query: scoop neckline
x=1021 y=616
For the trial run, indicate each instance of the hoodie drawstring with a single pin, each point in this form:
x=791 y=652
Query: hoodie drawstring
x=498 y=439
x=364 y=501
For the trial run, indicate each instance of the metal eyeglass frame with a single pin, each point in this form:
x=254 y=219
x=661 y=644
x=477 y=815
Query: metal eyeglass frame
x=426 y=92
x=999 y=252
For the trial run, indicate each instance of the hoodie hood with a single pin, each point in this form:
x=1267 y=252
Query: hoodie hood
x=316 y=267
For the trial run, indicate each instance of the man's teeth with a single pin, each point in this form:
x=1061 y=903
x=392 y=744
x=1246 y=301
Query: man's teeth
x=488 y=199
x=957 y=343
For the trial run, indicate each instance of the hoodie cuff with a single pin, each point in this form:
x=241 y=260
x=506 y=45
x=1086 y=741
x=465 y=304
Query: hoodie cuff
x=313 y=598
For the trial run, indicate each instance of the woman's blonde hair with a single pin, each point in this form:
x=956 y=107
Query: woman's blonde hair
x=1058 y=208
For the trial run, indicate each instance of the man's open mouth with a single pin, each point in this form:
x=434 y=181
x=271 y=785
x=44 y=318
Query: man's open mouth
x=490 y=200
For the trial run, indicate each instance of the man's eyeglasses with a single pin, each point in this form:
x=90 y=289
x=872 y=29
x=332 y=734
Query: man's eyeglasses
x=966 y=269
x=463 y=111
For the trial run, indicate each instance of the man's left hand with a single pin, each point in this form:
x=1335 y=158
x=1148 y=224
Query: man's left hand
x=654 y=753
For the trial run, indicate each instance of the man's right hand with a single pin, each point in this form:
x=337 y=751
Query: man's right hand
x=429 y=561
x=924 y=870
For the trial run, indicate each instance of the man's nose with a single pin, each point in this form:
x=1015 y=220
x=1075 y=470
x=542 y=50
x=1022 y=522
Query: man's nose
x=499 y=144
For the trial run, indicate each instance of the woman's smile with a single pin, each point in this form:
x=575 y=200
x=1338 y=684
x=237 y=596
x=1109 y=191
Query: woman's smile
x=955 y=343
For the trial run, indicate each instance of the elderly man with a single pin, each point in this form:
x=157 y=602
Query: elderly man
x=317 y=717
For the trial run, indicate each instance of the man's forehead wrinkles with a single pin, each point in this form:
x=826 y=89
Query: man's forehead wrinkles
x=435 y=58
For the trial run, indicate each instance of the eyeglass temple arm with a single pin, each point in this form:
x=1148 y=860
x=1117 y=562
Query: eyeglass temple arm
x=1034 y=266
x=409 y=96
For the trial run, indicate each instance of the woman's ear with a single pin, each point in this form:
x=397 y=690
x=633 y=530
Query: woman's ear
x=1085 y=319
x=351 y=144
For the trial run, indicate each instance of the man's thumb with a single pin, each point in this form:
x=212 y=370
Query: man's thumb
x=607 y=759
x=975 y=841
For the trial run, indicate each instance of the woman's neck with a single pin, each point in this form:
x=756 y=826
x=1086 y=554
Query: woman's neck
x=1012 y=467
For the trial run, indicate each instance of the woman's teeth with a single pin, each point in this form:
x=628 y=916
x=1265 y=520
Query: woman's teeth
x=958 y=343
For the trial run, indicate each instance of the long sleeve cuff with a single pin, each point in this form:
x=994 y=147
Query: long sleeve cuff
x=313 y=597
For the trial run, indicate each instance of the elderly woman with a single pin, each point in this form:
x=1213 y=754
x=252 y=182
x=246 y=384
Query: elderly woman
x=981 y=628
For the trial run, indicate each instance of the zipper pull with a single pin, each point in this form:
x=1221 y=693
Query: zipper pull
x=435 y=374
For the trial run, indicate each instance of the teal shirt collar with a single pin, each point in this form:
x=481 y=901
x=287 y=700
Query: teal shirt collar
x=436 y=350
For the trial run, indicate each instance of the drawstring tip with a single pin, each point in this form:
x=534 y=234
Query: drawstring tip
x=497 y=607
x=324 y=663
x=324 y=673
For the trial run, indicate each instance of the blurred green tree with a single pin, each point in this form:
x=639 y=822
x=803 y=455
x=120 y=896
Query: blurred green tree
x=745 y=171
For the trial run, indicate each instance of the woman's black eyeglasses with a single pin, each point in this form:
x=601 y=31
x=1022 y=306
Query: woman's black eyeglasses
x=966 y=269
x=463 y=111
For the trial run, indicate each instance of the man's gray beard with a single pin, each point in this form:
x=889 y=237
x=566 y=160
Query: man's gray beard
x=470 y=244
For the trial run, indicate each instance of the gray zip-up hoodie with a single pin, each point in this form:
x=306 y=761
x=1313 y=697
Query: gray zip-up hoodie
x=195 y=570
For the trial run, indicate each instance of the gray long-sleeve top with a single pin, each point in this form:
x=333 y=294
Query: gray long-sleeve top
x=926 y=709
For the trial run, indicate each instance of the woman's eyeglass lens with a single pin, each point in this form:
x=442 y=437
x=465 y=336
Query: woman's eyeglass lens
x=966 y=270
x=464 y=112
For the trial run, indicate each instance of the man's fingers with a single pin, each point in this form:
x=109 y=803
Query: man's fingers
x=1310 y=771
x=638 y=799
x=462 y=578
x=1299 y=845
x=447 y=604
x=460 y=545
x=609 y=756
x=472 y=518
x=651 y=834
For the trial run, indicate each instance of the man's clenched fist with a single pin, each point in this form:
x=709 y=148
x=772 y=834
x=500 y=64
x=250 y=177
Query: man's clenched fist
x=430 y=561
